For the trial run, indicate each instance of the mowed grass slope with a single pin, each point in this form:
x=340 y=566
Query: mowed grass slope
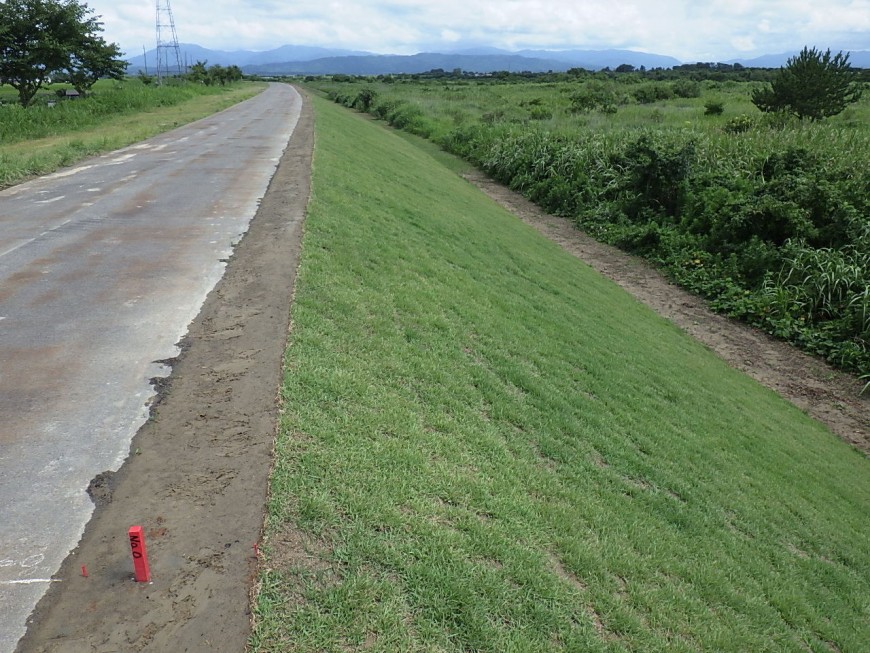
x=485 y=446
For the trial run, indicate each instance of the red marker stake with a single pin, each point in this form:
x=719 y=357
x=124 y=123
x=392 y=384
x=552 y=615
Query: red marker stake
x=140 y=555
x=84 y=571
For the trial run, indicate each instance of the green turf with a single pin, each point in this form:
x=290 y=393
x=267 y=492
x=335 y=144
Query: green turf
x=485 y=446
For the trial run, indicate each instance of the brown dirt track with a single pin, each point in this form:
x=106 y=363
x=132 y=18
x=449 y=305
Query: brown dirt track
x=197 y=480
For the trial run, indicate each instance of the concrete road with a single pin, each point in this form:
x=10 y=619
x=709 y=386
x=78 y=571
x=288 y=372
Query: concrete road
x=102 y=268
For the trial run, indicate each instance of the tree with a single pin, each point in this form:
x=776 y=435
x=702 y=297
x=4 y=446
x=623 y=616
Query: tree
x=39 y=38
x=199 y=73
x=93 y=59
x=811 y=85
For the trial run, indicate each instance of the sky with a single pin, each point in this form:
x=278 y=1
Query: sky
x=690 y=30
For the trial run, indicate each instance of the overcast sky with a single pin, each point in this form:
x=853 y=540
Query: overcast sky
x=690 y=30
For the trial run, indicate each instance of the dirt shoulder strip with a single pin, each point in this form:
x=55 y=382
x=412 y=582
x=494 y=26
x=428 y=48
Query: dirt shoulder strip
x=197 y=476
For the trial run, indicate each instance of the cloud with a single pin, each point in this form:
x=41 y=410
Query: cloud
x=691 y=30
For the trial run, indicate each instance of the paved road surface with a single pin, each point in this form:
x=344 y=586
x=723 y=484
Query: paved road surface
x=102 y=267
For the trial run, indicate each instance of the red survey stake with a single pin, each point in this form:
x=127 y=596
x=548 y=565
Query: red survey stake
x=140 y=555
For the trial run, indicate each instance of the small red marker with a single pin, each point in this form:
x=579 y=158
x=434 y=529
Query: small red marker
x=256 y=550
x=84 y=571
x=140 y=555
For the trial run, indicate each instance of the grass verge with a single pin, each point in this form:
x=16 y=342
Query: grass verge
x=23 y=159
x=488 y=447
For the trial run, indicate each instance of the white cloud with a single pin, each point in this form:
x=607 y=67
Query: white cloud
x=686 y=29
x=743 y=43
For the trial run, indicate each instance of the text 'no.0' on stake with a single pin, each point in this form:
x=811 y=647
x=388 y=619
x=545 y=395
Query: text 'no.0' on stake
x=140 y=555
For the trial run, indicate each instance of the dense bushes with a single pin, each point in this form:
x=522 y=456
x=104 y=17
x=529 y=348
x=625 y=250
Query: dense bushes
x=767 y=219
x=784 y=247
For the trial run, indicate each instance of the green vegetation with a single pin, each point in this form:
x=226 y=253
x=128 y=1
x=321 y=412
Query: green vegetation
x=812 y=85
x=215 y=74
x=40 y=39
x=53 y=133
x=765 y=215
x=485 y=446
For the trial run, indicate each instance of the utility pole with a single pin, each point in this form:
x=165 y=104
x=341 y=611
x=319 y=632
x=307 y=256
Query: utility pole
x=168 y=52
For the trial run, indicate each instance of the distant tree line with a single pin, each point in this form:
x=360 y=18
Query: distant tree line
x=215 y=74
x=697 y=72
x=45 y=39
x=202 y=73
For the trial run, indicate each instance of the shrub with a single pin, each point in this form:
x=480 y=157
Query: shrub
x=540 y=113
x=364 y=100
x=687 y=88
x=714 y=107
x=593 y=94
x=649 y=93
x=739 y=124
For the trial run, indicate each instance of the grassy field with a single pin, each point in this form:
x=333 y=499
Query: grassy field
x=764 y=215
x=41 y=139
x=485 y=446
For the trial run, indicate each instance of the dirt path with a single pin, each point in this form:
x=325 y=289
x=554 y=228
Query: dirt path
x=198 y=475
x=809 y=383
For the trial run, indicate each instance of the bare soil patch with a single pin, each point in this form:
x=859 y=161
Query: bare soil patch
x=823 y=392
x=196 y=479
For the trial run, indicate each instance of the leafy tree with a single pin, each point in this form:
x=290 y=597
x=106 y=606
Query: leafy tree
x=217 y=74
x=234 y=73
x=39 y=38
x=93 y=59
x=199 y=73
x=811 y=85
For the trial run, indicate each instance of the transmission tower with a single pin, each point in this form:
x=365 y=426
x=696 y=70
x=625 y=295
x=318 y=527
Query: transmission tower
x=168 y=52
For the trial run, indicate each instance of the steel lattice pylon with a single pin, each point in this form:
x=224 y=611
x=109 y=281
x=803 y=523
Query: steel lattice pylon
x=168 y=52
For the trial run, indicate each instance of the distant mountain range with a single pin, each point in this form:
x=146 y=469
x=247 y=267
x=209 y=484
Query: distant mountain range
x=308 y=60
x=858 y=59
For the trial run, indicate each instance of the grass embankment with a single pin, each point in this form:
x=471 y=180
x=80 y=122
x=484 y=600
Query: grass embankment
x=487 y=447
x=765 y=216
x=41 y=139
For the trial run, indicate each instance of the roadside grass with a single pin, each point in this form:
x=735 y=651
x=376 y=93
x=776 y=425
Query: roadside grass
x=485 y=446
x=61 y=143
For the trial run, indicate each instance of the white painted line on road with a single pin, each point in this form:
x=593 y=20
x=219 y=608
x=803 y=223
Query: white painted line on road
x=27 y=242
x=121 y=159
x=20 y=245
x=68 y=173
x=51 y=201
x=94 y=190
x=29 y=581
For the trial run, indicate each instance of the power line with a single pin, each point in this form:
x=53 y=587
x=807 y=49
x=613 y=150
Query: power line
x=168 y=52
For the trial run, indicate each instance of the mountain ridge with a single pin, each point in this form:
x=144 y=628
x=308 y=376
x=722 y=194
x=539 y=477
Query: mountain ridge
x=298 y=59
